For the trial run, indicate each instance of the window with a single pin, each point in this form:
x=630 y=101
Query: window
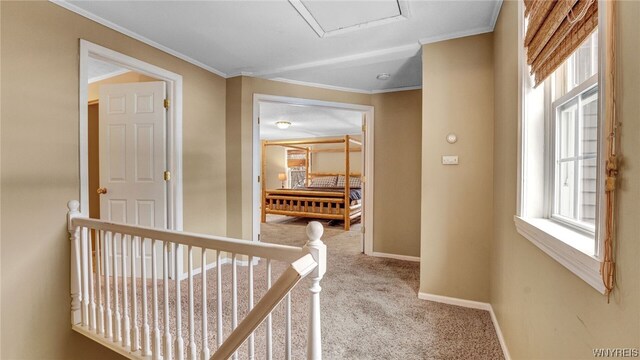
x=574 y=127
x=560 y=190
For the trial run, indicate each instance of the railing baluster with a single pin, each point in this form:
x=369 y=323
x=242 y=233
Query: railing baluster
x=76 y=267
x=205 y=334
x=117 y=335
x=193 y=354
x=251 y=343
x=234 y=296
x=107 y=285
x=269 y=328
x=99 y=262
x=154 y=293
x=179 y=341
x=135 y=331
x=85 y=275
x=146 y=336
x=318 y=250
x=219 y=329
x=287 y=328
x=92 y=293
x=126 y=322
x=168 y=354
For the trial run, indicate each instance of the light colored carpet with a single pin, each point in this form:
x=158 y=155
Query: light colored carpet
x=370 y=308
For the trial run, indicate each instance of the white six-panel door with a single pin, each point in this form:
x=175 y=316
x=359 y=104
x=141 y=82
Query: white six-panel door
x=133 y=158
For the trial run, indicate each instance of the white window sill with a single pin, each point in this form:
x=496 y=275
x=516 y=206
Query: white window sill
x=570 y=248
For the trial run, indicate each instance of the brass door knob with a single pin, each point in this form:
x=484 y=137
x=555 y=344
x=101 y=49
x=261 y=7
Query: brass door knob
x=102 y=191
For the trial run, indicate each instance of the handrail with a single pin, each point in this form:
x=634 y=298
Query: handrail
x=259 y=249
x=287 y=281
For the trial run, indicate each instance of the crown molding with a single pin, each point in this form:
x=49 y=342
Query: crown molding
x=456 y=35
x=376 y=56
x=320 y=86
x=495 y=14
x=340 y=88
x=134 y=35
x=405 y=88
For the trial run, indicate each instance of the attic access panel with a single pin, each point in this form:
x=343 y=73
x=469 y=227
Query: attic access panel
x=329 y=18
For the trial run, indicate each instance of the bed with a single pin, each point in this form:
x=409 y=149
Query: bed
x=325 y=194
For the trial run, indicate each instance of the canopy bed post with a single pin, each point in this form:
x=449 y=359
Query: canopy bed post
x=307 y=164
x=263 y=182
x=347 y=192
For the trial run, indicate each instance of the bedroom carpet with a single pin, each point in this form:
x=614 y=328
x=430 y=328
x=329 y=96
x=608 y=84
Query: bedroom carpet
x=370 y=308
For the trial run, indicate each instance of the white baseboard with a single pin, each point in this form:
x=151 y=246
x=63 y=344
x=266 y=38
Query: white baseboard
x=503 y=343
x=397 y=257
x=455 y=301
x=473 y=305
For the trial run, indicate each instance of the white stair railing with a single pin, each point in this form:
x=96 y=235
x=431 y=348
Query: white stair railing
x=118 y=298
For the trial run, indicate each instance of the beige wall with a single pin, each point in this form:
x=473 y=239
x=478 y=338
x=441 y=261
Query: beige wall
x=397 y=172
x=39 y=168
x=545 y=311
x=457 y=200
x=275 y=157
x=397 y=132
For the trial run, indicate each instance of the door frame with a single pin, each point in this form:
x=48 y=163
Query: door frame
x=368 y=110
x=174 y=125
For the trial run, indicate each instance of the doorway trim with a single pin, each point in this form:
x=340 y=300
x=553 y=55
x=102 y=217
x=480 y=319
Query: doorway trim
x=174 y=125
x=368 y=110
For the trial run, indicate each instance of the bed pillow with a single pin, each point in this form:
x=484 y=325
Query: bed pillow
x=324 y=181
x=354 y=181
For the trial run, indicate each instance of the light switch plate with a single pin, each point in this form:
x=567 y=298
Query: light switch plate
x=450 y=160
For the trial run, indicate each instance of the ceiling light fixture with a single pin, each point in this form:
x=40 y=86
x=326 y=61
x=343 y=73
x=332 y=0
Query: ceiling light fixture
x=383 y=76
x=283 y=124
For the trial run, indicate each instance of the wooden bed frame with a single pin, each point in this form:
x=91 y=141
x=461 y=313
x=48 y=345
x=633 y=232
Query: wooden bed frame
x=311 y=204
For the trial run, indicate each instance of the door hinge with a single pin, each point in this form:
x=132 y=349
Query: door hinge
x=258 y=178
x=364 y=127
x=166 y=103
x=258 y=237
x=167 y=175
x=363 y=179
x=258 y=120
x=362 y=230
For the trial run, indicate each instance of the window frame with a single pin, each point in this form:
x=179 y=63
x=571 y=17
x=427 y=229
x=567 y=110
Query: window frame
x=574 y=249
x=552 y=147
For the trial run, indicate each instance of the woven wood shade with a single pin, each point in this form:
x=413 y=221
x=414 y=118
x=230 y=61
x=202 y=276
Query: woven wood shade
x=555 y=29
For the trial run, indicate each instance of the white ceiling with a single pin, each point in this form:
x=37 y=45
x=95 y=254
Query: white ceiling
x=272 y=38
x=307 y=121
x=100 y=70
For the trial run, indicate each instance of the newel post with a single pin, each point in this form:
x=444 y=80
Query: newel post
x=318 y=250
x=74 y=236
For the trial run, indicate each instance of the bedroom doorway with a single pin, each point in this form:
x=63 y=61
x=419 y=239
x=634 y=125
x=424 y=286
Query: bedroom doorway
x=313 y=160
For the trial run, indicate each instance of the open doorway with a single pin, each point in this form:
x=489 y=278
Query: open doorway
x=314 y=161
x=130 y=148
x=151 y=95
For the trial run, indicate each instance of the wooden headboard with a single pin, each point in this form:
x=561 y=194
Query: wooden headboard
x=320 y=174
